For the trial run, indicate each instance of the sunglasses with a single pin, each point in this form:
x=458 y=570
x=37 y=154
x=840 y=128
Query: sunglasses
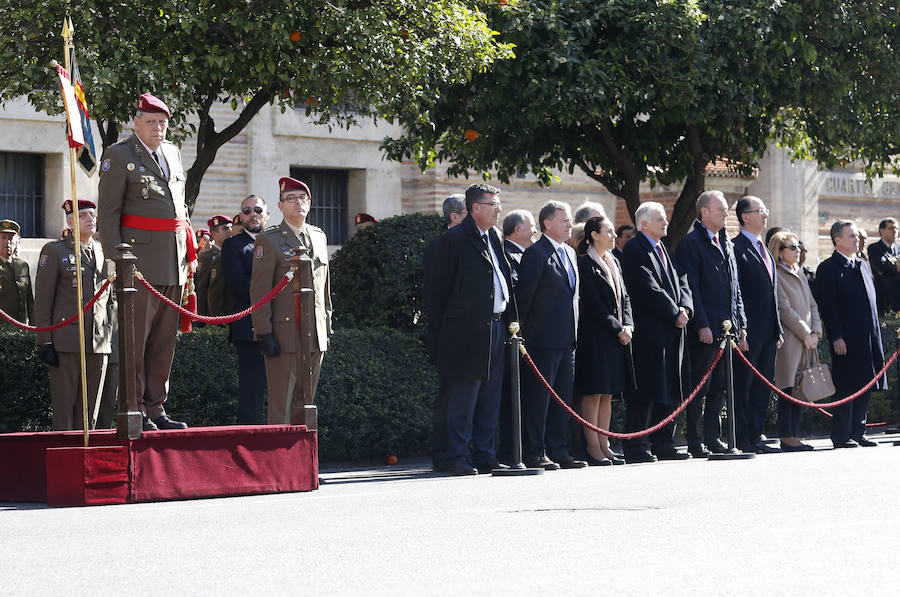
x=246 y=210
x=791 y=247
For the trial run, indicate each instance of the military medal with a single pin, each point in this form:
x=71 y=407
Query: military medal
x=145 y=193
x=129 y=167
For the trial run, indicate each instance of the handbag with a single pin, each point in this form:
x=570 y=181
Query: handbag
x=813 y=381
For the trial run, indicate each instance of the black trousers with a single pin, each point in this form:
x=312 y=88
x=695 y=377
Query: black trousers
x=547 y=423
x=849 y=420
x=439 y=429
x=752 y=395
x=251 y=383
x=713 y=394
x=788 y=417
x=639 y=415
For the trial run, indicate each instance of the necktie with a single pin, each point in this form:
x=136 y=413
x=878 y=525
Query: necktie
x=662 y=258
x=156 y=159
x=765 y=258
x=718 y=246
x=568 y=266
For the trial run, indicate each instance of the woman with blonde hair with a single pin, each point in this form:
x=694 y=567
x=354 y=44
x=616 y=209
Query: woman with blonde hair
x=802 y=331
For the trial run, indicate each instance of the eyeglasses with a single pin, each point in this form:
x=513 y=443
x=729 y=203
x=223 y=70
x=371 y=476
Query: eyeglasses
x=491 y=203
x=246 y=210
x=296 y=199
x=762 y=211
x=791 y=247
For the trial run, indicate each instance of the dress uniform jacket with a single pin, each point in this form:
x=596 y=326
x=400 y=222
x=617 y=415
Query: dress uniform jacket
x=271 y=252
x=56 y=296
x=209 y=282
x=131 y=183
x=16 y=297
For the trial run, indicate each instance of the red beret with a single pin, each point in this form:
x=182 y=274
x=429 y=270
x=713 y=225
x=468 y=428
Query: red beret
x=362 y=218
x=201 y=232
x=292 y=184
x=149 y=103
x=218 y=220
x=82 y=204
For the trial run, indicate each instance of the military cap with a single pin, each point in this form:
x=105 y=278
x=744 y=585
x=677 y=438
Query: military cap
x=292 y=184
x=362 y=218
x=218 y=220
x=9 y=226
x=150 y=103
x=82 y=204
x=201 y=232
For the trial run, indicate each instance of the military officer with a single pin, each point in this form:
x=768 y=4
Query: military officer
x=274 y=323
x=16 y=297
x=55 y=283
x=209 y=281
x=142 y=203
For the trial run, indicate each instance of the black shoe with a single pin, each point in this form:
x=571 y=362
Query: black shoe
x=639 y=457
x=149 y=425
x=571 y=463
x=672 y=454
x=865 y=442
x=485 y=468
x=439 y=467
x=597 y=461
x=698 y=451
x=617 y=460
x=459 y=469
x=798 y=448
x=717 y=447
x=762 y=448
x=845 y=444
x=164 y=422
x=542 y=462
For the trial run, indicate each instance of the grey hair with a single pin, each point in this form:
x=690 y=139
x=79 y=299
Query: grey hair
x=587 y=210
x=513 y=219
x=454 y=204
x=706 y=198
x=642 y=214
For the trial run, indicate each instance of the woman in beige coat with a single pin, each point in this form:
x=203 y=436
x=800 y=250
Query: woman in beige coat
x=802 y=331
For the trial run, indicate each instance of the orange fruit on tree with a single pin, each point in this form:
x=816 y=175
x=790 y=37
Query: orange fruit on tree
x=470 y=134
x=294 y=36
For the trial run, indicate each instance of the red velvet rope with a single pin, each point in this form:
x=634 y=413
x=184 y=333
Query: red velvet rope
x=221 y=318
x=820 y=405
x=61 y=324
x=635 y=434
x=868 y=425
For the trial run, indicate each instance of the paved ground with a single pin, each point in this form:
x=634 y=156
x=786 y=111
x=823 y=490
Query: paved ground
x=820 y=523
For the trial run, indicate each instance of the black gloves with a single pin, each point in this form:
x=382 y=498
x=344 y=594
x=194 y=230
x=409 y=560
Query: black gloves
x=48 y=355
x=268 y=345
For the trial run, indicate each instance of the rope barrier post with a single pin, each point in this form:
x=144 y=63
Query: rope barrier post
x=730 y=343
x=129 y=421
x=517 y=468
x=303 y=411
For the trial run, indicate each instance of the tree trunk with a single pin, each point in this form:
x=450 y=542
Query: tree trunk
x=685 y=210
x=109 y=134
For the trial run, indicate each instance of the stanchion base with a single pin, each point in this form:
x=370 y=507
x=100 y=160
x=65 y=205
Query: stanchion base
x=897 y=443
x=516 y=472
x=732 y=455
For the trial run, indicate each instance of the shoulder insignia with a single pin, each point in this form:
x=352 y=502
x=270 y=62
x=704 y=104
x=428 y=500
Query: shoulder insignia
x=43 y=261
x=105 y=165
x=271 y=228
x=259 y=251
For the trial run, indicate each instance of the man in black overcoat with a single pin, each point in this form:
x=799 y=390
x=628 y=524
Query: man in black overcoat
x=470 y=289
x=846 y=300
x=661 y=305
x=756 y=273
x=237 y=265
x=707 y=257
x=884 y=259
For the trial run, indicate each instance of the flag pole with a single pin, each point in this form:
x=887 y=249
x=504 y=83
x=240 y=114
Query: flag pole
x=68 y=33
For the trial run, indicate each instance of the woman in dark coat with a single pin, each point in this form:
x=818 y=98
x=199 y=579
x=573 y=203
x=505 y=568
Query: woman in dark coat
x=603 y=364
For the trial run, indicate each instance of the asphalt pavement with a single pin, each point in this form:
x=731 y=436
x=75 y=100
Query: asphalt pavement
x=818 y=523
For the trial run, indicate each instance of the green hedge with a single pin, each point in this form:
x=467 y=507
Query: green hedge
x=375 y=395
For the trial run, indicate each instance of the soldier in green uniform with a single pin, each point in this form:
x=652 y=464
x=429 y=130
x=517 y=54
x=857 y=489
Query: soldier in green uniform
x=55 y=283
x=274 y=323
x=209 y=282
x=16 y=297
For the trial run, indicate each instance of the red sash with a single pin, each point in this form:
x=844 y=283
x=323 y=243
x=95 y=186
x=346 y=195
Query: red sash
x=164 y=225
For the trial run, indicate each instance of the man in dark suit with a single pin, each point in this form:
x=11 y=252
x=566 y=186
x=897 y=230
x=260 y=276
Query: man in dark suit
x=518 y=235
x=661 y=305
x=454 y=212
x=470 y=291
x=237 y=265
x=707 y=257
x=846 y=299
x=883 y=259
x=624 y=233
x=547 y=294
x=756 y=274
x=142 y=203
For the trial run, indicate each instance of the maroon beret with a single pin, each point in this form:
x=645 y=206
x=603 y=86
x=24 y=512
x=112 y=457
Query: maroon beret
x=150 y=103
x=292 y=184
x=218 y=220
x=82 y=204
x=201 y=232
x=362 y=218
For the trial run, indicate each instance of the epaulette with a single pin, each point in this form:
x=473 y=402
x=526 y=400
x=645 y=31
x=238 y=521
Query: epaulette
x=271 y=228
